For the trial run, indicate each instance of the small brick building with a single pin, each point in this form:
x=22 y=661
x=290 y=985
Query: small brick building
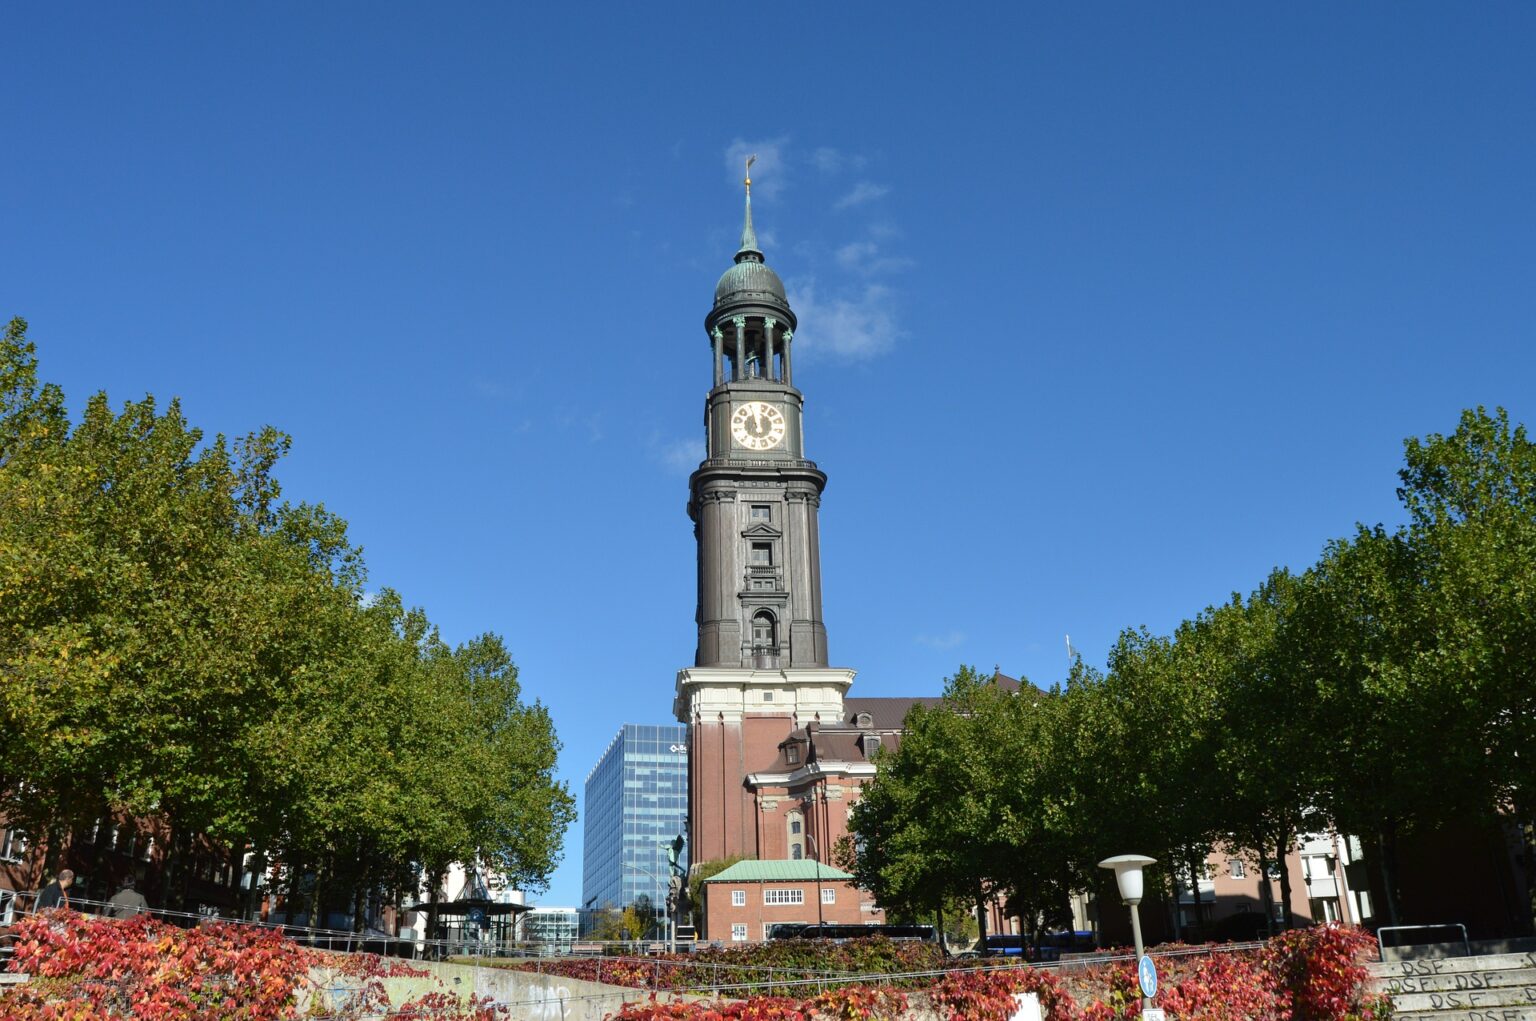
x=742 y=902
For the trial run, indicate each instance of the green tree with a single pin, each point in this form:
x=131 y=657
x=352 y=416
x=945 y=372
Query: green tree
x=177 y=643
x=927 y=828
x=1471 y=499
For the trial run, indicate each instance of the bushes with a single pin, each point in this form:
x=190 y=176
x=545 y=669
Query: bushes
x=1306 y=975
x=781 y=960
x=102 y=970
x=1321 y=971
x=98 y=969
x=850 y=1003
x=92 y=968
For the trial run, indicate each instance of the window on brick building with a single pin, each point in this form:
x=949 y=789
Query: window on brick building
x=783 y=896
x=738 y=898
x=739 y=932
x=828 y=895
x=13 y=846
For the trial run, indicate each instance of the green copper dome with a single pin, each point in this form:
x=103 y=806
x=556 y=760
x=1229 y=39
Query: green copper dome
x=750 y=281
x=749 y=278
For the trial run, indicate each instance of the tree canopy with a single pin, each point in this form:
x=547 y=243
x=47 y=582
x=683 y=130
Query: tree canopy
x=1383 y=690
x=180 y=644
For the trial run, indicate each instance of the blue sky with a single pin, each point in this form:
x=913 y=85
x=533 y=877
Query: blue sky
x=1105 y=309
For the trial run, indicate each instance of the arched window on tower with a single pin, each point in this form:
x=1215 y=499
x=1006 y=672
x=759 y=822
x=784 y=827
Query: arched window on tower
x=765 y=638
x=794 y=823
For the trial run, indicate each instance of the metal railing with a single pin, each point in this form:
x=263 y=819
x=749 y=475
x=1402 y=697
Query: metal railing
x=1381 y=943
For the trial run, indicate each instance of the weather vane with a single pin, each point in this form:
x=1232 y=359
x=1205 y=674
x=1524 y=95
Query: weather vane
x=750 y=160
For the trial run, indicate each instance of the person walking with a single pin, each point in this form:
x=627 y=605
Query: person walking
x=127 y=902
x=56 y=893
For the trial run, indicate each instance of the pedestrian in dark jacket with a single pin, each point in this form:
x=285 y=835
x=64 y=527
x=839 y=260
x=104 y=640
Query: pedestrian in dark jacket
x=56 y=893
x=127 y=902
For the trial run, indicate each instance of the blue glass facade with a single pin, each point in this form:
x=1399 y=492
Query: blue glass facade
x=635 y=803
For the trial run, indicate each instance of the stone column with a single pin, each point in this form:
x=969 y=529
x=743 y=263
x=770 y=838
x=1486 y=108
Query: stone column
x=768 y=324
x=719 y=356
x=709 y=570
x=741 y=347
x=789 y=335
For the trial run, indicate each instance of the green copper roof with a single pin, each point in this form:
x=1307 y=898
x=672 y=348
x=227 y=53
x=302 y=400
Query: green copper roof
x=748 y=235
x=784 y=871
x=749 y=284
x=748 y=279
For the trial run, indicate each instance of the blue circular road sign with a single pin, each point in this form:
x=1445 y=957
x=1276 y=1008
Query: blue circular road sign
x=1146 y=974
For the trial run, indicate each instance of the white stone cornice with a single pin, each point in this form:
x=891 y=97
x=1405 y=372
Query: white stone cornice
x=706 y=694
x=819 y=770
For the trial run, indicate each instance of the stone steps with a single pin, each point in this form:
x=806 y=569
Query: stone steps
x=1453 y=965
x=1491 y=987
x=1466 y=999
x=1451 y=982
x=1494 y=1014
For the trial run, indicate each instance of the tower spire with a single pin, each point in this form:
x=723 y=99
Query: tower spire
x=749 y=247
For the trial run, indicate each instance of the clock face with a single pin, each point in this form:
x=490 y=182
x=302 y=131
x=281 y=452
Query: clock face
x=757 y=425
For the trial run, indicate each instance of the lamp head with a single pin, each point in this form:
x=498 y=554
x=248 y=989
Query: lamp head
x=1128 y=874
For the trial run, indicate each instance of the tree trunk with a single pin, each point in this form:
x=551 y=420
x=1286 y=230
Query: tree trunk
x=171 y=871
x=291 y=890
x=1173 y=875
x=938 y=924
x=253 y=910
x=981 y=918
x=93 y=889
x=1199 y=914
x=315 y=901
x=435 y=879
x=53 y=852
x=1528 y=834
x=184 y=873
x=1266 y=895
x=1282 y=850
x=1386 y=842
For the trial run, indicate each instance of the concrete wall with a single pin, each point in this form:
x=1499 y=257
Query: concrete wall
x=529 y=996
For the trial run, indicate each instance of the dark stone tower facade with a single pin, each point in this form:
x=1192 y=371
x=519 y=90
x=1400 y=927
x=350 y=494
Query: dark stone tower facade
x=754 y=498
x=760 y=668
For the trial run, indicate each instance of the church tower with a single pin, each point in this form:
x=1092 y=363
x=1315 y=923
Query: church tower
x=760 y=667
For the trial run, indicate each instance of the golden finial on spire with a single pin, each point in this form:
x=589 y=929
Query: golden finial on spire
x=750 y=160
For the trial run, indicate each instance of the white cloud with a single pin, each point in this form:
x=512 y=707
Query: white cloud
x=864 y=191
x=854 y=252
x=678 y=455
x=591 y=424
x=852 y=326
x=768 y=173
x=864 y=257
x=948 y=640
x=830 y=161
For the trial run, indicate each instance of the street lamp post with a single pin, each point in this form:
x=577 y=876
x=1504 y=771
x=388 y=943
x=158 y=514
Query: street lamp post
x=1128 y=879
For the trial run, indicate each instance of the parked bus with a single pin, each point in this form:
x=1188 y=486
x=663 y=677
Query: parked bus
x=830 y=930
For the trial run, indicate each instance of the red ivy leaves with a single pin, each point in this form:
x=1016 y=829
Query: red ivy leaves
x=1306 y=975
x=90 y=969
x=97 y=969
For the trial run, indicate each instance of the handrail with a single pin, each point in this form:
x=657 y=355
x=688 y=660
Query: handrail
x=1381 y=945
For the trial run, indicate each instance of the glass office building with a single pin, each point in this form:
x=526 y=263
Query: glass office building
x=554 y=929
x=635 y=804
